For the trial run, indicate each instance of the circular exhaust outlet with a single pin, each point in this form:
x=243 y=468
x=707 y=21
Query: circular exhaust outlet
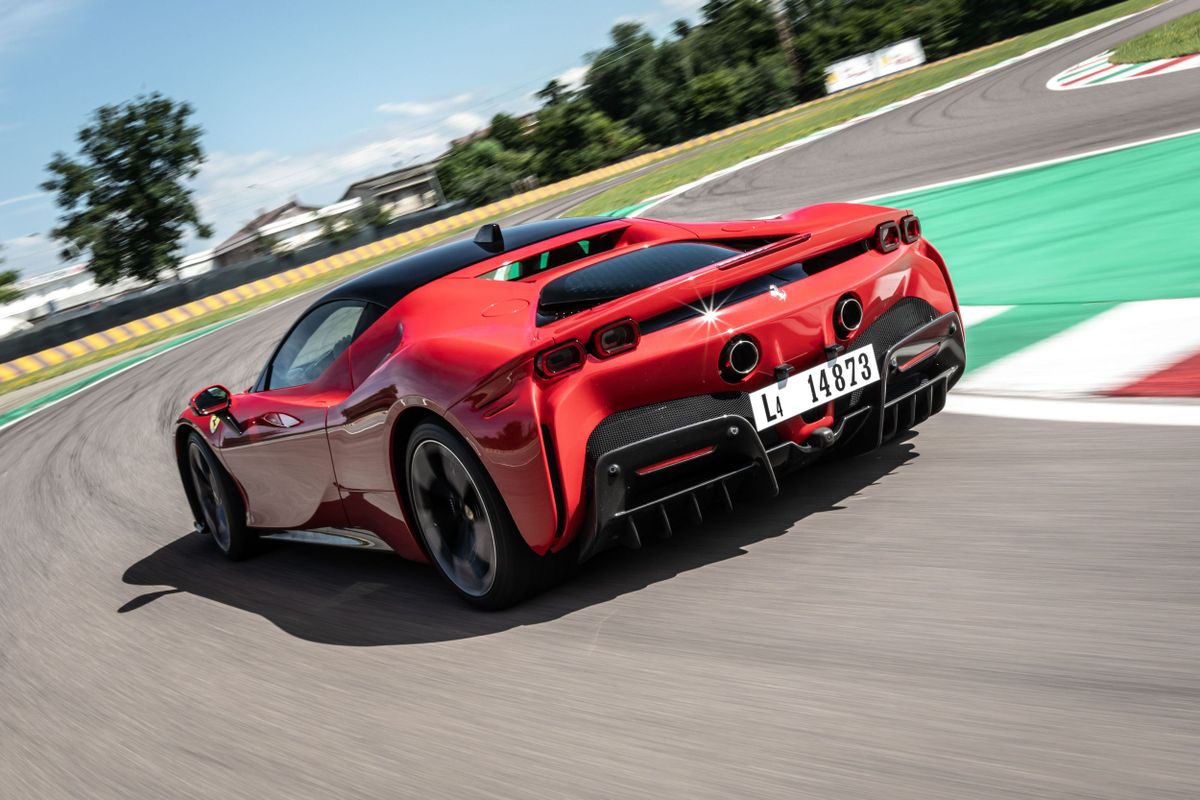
x=739 y=358
x=847 y=316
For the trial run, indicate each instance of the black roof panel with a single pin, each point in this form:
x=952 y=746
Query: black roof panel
x=386 y=285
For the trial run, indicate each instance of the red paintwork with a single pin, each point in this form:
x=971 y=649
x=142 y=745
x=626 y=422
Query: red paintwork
x=466 y=354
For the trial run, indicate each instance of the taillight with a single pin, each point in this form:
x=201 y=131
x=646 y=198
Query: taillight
x=910 y=229
x=615 y=338
x=887 y=237
x=560 y=359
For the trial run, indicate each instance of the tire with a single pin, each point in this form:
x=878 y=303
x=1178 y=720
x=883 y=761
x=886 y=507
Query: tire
x=222 y=514
x=482 y=557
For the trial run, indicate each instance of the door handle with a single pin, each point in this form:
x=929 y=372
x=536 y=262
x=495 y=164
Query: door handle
x=278 y=419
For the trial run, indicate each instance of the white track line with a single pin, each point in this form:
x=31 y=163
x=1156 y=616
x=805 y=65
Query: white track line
x=1110 y=350
x=886 y=109
x=973 y=315
x=1112 y=412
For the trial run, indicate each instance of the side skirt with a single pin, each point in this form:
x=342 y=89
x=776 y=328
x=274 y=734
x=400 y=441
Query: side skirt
x=334 y=537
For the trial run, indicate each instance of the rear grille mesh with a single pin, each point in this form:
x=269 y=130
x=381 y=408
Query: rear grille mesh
x=904 y=317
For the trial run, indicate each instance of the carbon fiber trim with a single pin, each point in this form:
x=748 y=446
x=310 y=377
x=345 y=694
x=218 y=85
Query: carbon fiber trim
x=636 y=424
x=904 y=317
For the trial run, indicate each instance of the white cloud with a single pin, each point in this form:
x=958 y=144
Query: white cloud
x=30 y=254
x=464 y=122
x=21 y=22
x=572 y=78
x=685 y=7
x=23 y=198
x=412 y=108
x=233 y=187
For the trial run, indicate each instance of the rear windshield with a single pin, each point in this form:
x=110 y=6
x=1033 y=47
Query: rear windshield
x=556 y=257
x=625 y=274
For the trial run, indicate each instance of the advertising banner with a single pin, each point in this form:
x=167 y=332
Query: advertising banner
x=866 y=68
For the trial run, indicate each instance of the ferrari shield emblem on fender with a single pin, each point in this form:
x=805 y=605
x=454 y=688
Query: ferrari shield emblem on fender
x=213 y=423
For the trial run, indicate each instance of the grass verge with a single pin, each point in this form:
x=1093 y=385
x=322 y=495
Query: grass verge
x=1179 y=37
x=835 y=109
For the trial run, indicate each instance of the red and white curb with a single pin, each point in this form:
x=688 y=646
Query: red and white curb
x=1126 y=351
x=1106 y=369
x=1099 y=69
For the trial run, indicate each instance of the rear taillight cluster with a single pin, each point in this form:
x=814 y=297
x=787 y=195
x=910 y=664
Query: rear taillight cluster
x=606 y=342
x=889 y=235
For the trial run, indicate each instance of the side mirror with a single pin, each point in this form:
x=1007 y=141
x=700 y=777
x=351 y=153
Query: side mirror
x=213 y=400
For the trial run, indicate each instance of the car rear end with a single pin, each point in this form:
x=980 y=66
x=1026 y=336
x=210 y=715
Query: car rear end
x=834 y=327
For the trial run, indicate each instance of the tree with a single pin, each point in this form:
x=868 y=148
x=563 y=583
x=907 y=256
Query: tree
x=574 y=137
x=124 y=200
x=8 y=280
x=553 y=92
x=614 y=83
x=508 y=131
x=483 y=171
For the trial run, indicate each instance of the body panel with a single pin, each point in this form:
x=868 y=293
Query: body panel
x=461 y=348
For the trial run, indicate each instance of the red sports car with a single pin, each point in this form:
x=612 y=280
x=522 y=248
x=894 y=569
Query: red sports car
x=509 y=405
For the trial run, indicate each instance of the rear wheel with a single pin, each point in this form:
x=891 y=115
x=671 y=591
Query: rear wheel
x=465 y=526
x=221 y=512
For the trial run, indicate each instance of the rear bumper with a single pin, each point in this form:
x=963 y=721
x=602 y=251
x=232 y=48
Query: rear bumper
x=650 y=465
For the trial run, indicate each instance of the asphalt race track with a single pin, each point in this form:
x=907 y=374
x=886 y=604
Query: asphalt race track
x=990 y=608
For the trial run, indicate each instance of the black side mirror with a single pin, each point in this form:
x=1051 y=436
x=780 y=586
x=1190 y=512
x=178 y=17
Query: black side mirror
x=213 y=400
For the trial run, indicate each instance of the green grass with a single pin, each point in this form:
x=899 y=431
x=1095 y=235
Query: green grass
x=1179 y=37
x=838 y=108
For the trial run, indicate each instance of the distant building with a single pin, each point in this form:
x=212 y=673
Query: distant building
x=401 y=191
x=256 y=238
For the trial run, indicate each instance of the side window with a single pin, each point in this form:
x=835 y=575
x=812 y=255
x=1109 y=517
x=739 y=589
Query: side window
x=314 y=343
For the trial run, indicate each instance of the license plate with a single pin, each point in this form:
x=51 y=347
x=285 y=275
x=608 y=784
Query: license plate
x=839 y=376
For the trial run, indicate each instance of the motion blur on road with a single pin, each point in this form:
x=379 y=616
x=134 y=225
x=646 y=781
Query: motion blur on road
x=996 y=606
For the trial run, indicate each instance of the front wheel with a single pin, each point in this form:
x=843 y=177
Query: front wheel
x=463 y=523
x=221 y=513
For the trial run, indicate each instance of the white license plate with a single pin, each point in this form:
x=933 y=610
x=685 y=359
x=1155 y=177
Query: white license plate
x=840 y=376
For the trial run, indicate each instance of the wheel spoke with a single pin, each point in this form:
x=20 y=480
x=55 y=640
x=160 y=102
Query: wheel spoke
x=452 y=517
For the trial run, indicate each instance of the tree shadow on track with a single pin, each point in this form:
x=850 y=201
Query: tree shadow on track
x=346 y=597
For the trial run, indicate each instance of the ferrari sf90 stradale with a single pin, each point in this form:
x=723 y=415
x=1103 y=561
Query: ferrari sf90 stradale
x=508 y=405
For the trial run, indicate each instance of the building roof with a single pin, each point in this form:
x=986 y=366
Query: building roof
x=376 y=183
x=265 y=218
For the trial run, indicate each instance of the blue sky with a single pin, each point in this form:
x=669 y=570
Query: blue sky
x=296 y=98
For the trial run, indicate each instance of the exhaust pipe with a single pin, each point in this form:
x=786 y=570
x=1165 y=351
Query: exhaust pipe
x=847 y=316
x=739 y=358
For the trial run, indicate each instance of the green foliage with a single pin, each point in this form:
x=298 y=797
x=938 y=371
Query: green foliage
x=553 y=93
x=373 y=215
x=124 y=200
x=574 y=137
x=483 y=171
x=8 y=280
x=729 y=66
x=508 y=131
x=617 y=78
x=1179 y=37
x=340 y=228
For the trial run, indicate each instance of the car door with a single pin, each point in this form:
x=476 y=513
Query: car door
x=281 y=454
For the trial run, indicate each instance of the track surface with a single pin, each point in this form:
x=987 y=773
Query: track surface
x=989 y=609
